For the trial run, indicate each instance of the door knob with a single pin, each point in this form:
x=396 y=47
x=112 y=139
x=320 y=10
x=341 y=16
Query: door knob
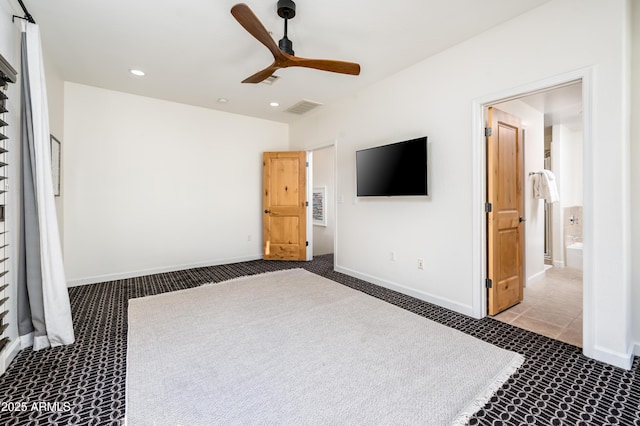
x=522 y=219
x=267 y=211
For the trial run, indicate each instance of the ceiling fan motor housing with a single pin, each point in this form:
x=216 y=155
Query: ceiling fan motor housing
x=286 y=45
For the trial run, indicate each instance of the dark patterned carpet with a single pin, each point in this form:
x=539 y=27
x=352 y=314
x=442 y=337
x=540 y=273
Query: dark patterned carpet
x=84 y=384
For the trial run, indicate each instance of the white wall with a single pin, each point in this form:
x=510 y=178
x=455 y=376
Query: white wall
x=152 y=185
x=533 y=123
x=10 y=49
x=324 y=176
x=635 y=179
x=435 y=98
x=567 y=159
x=571 y=171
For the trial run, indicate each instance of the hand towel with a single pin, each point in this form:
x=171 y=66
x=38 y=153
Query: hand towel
x=548 y=186
x=535 y=184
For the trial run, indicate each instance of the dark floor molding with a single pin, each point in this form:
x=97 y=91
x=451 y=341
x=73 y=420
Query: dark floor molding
x=85 y=383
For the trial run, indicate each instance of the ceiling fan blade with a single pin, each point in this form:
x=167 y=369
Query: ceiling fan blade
x=341 y=67
x=245 y=17
x=262 y=75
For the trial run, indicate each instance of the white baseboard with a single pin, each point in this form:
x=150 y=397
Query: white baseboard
x=535 y=278
x=8 y=354
x=617 y=359
x=132 y=274
x=436 y=300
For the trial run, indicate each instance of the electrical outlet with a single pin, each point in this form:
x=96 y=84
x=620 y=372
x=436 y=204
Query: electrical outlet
x=393 y=256
x=420 y=263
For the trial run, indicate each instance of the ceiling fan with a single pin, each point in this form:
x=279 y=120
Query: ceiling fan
x=283 y=51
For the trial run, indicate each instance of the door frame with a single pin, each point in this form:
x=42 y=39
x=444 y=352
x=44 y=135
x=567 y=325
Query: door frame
x=479 y=182
x=309 y=189
x=310 y=151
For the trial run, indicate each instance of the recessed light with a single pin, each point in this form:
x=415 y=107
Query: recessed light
x=274 y=104
x=139 y=73
x=223 y=100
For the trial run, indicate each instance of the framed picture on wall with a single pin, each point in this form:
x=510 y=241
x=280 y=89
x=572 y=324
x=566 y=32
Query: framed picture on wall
x=319 y=203
x=55 y=165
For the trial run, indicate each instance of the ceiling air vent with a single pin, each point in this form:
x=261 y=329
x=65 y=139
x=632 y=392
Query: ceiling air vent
x=302 y=107
x=270 y=80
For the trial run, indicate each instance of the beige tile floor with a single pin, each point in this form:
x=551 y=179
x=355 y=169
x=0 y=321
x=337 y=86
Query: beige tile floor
x=551 y=307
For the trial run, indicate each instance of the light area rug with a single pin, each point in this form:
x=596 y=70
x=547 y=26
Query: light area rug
x=294 y=348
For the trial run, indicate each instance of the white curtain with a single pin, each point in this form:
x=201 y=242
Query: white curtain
x=44 y=312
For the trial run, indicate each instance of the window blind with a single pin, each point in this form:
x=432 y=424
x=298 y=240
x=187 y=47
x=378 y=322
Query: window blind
x=7 y=76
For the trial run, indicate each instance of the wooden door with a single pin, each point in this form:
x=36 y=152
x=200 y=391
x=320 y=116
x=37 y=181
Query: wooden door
x=284 y=204
x=505 y=222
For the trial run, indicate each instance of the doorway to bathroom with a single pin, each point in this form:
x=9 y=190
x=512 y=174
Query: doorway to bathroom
x=323 y=200
x=553 y=139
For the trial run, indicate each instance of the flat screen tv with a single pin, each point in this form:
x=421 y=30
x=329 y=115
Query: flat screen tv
x=393 y=170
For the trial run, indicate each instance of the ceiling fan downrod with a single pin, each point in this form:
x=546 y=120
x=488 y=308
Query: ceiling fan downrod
x=286 y=10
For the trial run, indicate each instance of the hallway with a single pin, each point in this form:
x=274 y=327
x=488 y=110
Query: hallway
x=551 y=307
